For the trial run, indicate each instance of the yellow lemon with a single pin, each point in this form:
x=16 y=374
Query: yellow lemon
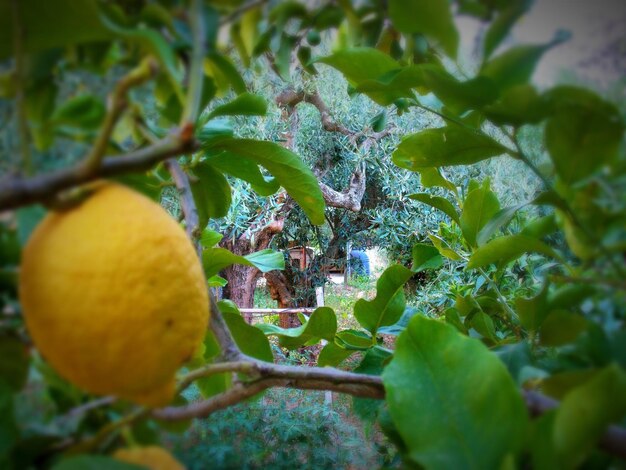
x=114 y=295
x=152 y=457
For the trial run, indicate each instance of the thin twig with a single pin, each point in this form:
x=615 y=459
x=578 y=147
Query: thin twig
x=117 y=103
x=192 y=221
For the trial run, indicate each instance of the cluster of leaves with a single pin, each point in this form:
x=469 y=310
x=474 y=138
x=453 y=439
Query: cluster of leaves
x=452 y=384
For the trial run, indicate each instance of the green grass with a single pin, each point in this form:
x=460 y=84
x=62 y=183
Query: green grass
x=283 y=429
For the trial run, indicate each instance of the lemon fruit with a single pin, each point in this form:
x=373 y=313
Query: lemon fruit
x=151 y=457
x=114 y=295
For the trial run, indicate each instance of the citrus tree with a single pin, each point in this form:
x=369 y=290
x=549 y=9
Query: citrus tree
x=523 y=367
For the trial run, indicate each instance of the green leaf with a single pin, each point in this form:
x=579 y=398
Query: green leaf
x=533 y=311
x=500 y=27
x=210 y=238
x=246 y=104
x=244 y=169
x=250 y=340
x=506 y=249
x=216 y=259
x=332 y=355
x=372 y=363
x=286 y=166
x=432 y=177
x=452 y=400
x=14 y=361
x=354 y=340
x=224 y=72
x=518 y=105
x=432 y=18
x=425 y=257
x=585 y=413
x=388 y=305
x=95 y=462
x=570 y=296
x=499 y=220
x=216 y=281
x=453 y=318
x=438 y=202
x=211 y=192
x=444 y=248
x=361 y=63
x=561 y=327
x=483 y=323
x=515 y=66
x=481 y=204
x=83 y=112
x=51 y=24
x=456 y=95
x=322 y=324
x=450 y=145
x=583 y=134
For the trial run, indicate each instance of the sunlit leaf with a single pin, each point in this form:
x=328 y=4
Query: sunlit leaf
x=322 y=324
x=452 y=400
x=451 y=145
x=388 y=305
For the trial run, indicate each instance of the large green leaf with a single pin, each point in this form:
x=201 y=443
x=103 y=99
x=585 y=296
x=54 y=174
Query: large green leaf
x=216 y=259
x=505 y=249
x=443 y=248
x=450 y=145
x=425 y=257
x=354 y=340
x=452 y=400
x=479 y=207
x=388 y=305
x=322 y=324
x=286 y=166
x=246 y=104
x=211 y=192
x=433 y=18
x=250 y=340
x=438 y=202
x=583 y=134
x=81 y=112
x=585 y=413
x=51 y=24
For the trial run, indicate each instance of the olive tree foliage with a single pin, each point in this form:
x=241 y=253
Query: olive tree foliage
x=521 y=363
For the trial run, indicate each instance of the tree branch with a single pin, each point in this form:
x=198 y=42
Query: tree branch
x=349 y=198
x=290 y=98
x=16 y=192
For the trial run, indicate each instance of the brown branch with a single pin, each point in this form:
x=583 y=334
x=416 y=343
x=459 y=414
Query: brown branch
x=192 y=220
x=290 y=98
x=16 y=192
x=349 y=198
x=273 y=375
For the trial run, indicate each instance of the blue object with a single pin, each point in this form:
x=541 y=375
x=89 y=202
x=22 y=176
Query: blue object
x=364 y=261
